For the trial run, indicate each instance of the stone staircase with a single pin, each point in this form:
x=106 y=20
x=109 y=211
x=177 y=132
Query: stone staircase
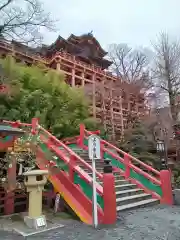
x=128 y=195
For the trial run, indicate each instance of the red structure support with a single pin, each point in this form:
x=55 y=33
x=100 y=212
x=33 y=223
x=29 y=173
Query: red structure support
x=82 y=133
x=34 y=125
x=167 y=196
x=110 y=213
x=127 y=165
x=102 y=150
x=11 y=175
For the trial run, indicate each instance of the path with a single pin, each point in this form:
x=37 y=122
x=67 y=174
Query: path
x=155 y=223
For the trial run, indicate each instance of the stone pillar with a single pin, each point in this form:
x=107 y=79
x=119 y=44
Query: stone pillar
x=35 y=181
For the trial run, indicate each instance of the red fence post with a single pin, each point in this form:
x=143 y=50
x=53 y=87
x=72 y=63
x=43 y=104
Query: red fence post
x=110 y=213
x=102 y=150
x=127 y=165
x=34 y=124
x=9 y=203
x=82 y=133
x=11 y=176
x=167 y=195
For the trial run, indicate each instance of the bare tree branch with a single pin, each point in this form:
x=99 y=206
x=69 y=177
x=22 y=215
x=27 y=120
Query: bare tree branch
x=5 y=4
x=167 y=69
x=24 y=20
x=130 y=65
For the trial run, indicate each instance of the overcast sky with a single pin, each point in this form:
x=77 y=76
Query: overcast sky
x=136 y=22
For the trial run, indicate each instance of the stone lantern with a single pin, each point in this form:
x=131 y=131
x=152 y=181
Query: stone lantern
x=34 y=182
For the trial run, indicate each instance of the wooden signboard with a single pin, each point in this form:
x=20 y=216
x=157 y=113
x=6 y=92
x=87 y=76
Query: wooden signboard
x=21 y=147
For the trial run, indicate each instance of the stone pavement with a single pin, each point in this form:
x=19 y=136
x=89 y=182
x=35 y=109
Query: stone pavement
x=154 y=223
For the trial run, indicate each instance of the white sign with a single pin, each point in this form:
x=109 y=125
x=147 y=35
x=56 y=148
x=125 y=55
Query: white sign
x=94 y=147
x=40 y=222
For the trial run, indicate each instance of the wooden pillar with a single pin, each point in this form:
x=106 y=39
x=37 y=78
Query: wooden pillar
x=11 y=176
x=122 y=119
x=58 y=66
x=73 y=77
x=112 y=114
x=94 y=94
x=82 y=81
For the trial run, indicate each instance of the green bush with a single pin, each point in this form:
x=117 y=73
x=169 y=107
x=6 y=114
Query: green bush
x=38 y=92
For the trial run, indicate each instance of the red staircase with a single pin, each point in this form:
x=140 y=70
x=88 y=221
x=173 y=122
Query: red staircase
x=71 y=174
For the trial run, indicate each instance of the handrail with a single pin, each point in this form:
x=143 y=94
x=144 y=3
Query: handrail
x=69 y=139
x=136 y=169
x=124 y=153
x=92 y=132
x=59 y=143
x=17 y=122
x=133 y=158
x=131 y=165
x=33 y=56
x=77 y=169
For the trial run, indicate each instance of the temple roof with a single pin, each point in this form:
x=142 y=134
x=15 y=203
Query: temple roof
x=88 y=38
x=85 y=47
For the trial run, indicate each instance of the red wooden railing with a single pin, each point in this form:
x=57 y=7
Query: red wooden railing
x=66 y=154
x=70 y=158
x=73 y=160
x=161 y=178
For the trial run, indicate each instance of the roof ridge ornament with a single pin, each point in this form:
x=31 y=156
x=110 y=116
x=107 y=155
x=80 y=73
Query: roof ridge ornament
x=90 y=33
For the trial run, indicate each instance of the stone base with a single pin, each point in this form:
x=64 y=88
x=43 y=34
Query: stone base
x=36 y=223
x=176 y=195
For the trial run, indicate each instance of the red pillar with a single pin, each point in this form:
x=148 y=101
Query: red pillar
x=11 y=175
x=167 y=196
x=9 y=203
x=127 y=166
x=102 y=150
x=81 y=139
x=34 y=124
x=110 y=213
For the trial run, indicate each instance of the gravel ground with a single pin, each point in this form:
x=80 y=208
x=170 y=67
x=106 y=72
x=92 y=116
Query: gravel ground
x=155 y=223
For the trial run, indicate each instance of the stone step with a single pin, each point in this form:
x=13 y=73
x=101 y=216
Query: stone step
x=120 y=181
x=143 y=203
x=99 y=165
x=131 y=199
x=129 y=192
x=117 y=177
x=124 y=187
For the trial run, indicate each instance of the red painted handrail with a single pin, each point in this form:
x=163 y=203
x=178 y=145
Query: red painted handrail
x=104 y=146
x=124 y=153
x=149 y=168
x=18 y=123
x=59 y=143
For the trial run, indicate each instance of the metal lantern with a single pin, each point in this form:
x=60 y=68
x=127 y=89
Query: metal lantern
x=107 y=166
x=161 y=149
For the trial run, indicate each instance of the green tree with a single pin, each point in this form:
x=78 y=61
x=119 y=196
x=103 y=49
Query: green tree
x=38 y=92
